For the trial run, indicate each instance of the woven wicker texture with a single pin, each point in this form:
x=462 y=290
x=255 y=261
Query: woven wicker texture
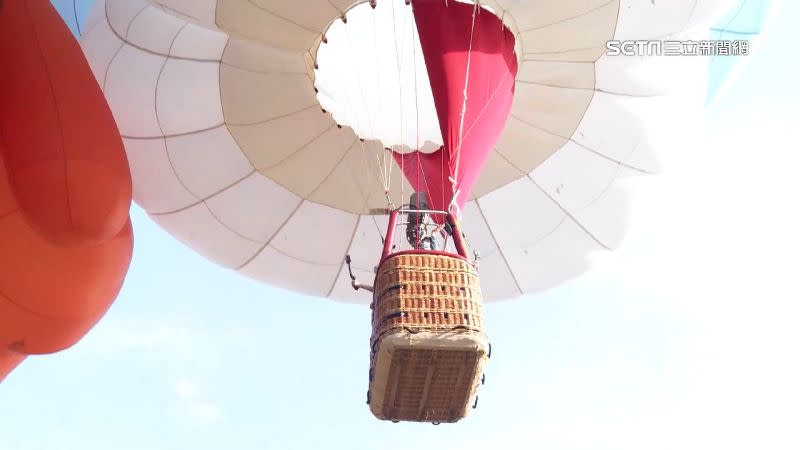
x=430 y=385
x=428 y=296
x=426 y=292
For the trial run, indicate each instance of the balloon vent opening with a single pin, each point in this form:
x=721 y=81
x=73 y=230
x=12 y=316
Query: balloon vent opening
x=370 y=75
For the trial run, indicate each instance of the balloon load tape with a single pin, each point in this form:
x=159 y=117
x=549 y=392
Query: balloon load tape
x=428 y=344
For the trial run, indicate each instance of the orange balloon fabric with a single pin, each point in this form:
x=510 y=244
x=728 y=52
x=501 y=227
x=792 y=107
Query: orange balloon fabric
x=66 y=162
x=65 y=190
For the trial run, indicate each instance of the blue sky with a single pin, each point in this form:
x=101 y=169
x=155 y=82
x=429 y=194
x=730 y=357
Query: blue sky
x=684 y=338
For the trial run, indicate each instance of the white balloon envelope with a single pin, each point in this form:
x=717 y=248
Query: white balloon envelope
x=263 y=134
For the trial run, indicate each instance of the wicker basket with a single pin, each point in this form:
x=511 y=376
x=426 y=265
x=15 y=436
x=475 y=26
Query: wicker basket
x=428 y=342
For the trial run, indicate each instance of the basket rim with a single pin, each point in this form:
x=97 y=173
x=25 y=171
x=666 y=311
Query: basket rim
x=422 y=252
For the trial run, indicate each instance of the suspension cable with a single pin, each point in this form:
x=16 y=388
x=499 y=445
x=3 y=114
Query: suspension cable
x=454 y=178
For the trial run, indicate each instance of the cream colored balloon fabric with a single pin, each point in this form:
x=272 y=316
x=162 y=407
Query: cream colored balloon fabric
x=231 y=152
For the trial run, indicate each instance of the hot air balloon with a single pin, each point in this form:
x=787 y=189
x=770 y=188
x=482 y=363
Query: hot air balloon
x=312 y=145
x=65 y=189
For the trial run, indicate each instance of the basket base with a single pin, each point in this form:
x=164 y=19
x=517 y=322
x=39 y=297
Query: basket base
x=426 y=376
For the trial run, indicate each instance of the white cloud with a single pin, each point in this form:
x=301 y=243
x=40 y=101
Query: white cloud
x=718 y=245
x=192 y=404
x=185 y=389
x=113 y=335
x=206 y=412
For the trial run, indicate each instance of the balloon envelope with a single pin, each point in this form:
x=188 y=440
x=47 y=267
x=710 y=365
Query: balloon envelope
x=65 y=188
x=244 y=147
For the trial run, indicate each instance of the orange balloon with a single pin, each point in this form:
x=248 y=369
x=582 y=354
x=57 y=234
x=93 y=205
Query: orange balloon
x=65 y=158
x=65 y=190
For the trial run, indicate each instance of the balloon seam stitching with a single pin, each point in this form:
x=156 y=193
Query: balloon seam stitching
x=260 y=72
x=59 y=114
x=499 y=249
x=281 y=116
x=7 y=298
x=567 y=19
x=125 y=40
x=570 y=139
x=346 y=252
x=296 y=151
x=285 y=19
x=274 y=234
x=204 y=199
x=583 y=88
x=348 y=149
x=222 y=106
x=569 y=214
x=110 y=62
x=173 y=135
x=564 y=210
x=158 y=118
